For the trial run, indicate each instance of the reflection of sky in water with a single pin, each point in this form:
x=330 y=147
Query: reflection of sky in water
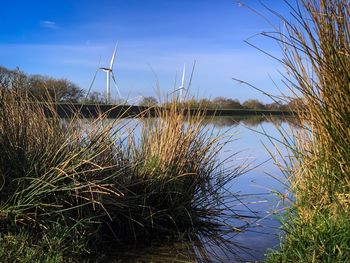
x=255 y=185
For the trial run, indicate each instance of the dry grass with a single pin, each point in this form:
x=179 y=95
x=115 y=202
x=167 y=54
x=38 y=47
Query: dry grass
x=317 y=59
x=86 y=182
x=316 y=48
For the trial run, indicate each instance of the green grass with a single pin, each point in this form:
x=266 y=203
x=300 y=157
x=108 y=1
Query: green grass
x=321 y=239
x=56 y=245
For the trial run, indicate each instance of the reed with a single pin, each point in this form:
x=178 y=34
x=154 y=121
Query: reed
x=316 y=49
x=176 y=160
x=69 y=185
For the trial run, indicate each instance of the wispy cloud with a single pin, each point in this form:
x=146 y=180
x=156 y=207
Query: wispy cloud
x=48 y=24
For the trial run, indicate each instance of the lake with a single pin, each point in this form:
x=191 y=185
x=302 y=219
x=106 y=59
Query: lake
x=256 y=189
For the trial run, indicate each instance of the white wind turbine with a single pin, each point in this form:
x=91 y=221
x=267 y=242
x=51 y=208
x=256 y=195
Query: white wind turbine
x=109 y=73
x=182 y=87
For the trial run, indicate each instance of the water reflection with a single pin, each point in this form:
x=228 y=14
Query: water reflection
x=250 y=121
x=214 y=249
x=160 y=252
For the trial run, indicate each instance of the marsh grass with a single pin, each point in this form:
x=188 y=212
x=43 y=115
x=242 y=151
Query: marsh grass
x=322 y=239
x=70 y=186
x=316 y=49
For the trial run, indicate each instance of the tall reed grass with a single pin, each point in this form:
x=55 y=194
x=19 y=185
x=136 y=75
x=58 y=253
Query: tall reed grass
x=316 y=49
x=69 y=186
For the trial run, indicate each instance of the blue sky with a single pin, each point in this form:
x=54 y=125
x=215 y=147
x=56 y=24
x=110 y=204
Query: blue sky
x=68 y=39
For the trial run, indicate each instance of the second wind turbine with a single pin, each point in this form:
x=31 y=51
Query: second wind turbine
x=109 y=73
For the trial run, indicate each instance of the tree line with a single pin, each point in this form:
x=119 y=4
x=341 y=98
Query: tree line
x=40 y=88
x=228 y=103
x=44 y=88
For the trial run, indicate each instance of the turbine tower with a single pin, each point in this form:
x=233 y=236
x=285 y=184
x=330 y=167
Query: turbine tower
x=109 y=74
x=182 y=87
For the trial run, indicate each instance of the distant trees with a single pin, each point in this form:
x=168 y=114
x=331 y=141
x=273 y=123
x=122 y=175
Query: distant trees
x=228 y=103
x=253 y=104
x=40 y=88
x=95 y=97
x=49 y=89
x=12 y=79
x=193 y=103
x=221 y=102
x=148 y=101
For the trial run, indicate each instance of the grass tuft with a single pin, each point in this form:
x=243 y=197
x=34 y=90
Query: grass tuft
x=69 y=185
x=316 y=48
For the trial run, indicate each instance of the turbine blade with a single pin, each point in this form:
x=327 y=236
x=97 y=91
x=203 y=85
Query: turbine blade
x=115 y=84
x=183 y=76
x=113 y=57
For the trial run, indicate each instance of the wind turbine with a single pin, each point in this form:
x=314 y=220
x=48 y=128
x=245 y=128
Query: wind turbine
x=109 y=73
x=182 y=87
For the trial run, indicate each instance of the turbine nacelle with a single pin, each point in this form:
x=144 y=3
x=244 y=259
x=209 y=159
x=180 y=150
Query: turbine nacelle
x=106 y=69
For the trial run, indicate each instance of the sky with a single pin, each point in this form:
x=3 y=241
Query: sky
x=71 y=39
